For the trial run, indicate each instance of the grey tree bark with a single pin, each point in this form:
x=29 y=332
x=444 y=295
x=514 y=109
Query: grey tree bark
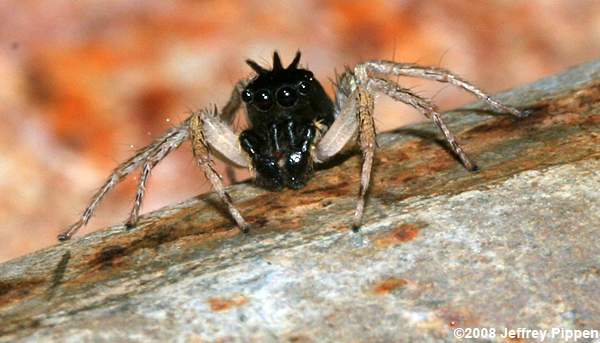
x=513 y=246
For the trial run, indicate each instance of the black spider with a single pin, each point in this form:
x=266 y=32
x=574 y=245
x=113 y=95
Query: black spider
x=293 y=125
x=284 y=106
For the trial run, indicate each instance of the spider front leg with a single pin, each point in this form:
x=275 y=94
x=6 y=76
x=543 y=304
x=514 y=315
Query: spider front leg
x=354 y=112
x=200 y=148
x=218 y=134
x=365 y=102
x=227 y=115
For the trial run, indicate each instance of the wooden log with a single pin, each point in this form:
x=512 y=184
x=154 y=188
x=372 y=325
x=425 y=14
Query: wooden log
x=513 y=246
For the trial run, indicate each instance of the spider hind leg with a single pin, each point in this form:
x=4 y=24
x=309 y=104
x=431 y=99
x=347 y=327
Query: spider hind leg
x=141 y=191
x=394 y=91
x=155 y=151
x=354 y=100
x=389 y=68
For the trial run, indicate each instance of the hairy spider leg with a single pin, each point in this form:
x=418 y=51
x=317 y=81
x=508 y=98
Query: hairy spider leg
x=366 y=137
x=150 y=163
x=201 y=151
x=218 y=132
x=139 y=195
x=235 y=101
x=404 y=95
x=168 y=142
x=389 y=68
x=354 y=111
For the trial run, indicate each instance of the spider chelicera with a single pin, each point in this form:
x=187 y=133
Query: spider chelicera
x=293 y=124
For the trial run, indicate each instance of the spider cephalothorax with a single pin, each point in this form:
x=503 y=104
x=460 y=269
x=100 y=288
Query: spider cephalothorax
x=284 y=107
x=293 y=124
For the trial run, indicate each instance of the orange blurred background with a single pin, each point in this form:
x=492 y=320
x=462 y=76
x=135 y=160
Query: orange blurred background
x=85 y=83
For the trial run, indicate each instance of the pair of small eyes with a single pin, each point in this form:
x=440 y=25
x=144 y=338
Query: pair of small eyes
x=286 y=96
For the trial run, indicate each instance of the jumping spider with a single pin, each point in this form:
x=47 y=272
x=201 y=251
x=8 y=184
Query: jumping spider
x=293 y=124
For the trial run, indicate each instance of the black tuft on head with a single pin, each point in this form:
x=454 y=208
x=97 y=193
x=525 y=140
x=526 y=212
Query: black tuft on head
x=294 y=64
x=256 y=67
x=277 y=65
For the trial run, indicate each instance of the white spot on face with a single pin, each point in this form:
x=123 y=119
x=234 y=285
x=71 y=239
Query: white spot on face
x=295 y=157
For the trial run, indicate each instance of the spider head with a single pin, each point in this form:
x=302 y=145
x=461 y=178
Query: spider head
x=282 y=92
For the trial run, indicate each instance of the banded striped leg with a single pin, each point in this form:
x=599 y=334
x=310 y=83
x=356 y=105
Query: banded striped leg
x=404 y=95
x=168 y=142
x=365 y=103
x=202 y=154
x=150 y=163
x=139 y=195
x=389 y=68
x=354 y=112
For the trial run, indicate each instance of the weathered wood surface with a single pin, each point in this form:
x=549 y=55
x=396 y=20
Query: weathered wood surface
x=515 y=245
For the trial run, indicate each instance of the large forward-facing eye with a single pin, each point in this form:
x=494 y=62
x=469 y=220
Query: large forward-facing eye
x=247 y=96
x=263 y=100
x=287 y=96
x=304 y=87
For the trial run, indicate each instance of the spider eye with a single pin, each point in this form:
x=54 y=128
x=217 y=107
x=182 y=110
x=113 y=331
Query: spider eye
x=287 y=96
x=247 y=96
x=304 y=87
x=263 y=100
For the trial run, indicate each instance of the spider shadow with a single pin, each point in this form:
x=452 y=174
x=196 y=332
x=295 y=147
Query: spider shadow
x=426 y=135
x=213 y=201
x=58 y=274
x=338 y=159
x=423 y=134
x=480 y=111
x=434 y=134
x=416 y=133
